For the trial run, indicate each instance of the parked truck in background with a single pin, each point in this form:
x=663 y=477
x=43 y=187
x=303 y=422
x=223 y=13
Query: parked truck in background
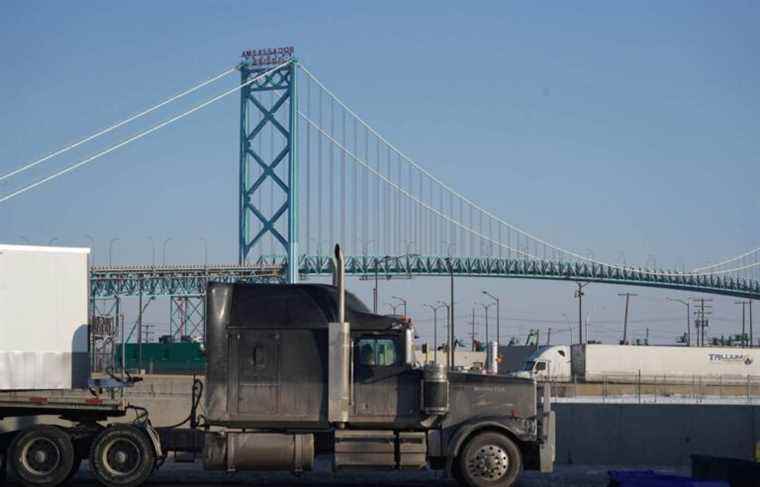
x=642 y=363
x=294 y=372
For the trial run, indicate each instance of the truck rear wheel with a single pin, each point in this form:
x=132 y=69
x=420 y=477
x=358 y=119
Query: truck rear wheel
x=41 y=456
x=490 y=460
x=122 y=456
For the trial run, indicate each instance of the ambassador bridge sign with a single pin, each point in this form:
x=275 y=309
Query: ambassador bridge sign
x=267 y=57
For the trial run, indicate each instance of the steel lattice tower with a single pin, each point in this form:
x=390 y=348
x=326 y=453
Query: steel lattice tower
x=268 y=110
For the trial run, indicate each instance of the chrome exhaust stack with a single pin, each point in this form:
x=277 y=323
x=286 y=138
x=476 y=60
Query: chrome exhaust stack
x=339 y=362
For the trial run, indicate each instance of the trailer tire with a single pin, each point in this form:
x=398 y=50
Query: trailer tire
x=122 y=456
x=489 y=459
x=41 y=456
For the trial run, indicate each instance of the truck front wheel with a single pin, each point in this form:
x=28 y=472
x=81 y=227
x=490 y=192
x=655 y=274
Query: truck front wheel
x=490 y=460
x=41 y=456
x=122 y=456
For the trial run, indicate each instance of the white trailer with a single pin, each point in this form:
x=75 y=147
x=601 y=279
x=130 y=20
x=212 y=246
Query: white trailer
x=645 y=364
x=43 y=318
x=44 y=338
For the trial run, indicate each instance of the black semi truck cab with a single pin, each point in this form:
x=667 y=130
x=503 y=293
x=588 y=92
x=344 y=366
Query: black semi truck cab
x=289 y=378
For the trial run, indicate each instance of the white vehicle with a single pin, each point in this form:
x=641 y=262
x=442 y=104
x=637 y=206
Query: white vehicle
x=646 y=364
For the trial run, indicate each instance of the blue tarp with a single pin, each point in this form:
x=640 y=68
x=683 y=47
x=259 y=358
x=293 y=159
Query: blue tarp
x=649 y=478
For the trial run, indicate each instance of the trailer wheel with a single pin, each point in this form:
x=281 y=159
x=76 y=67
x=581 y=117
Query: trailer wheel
x=490 y=459
x=122 y=456
x=41 y=456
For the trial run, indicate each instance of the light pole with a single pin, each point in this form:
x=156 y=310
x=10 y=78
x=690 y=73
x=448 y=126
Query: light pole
x=205 y=251
x=110 y=250
x=449 y=345
x=485 y=307
x=625 y=318
x=570 y=326
x=153 y=248
x=688 y=317
x=498 y=321
x=435 y=330
x=92 y=246
x=450 y=265
x=166 y=242
x=393 y=307
x=403 y=301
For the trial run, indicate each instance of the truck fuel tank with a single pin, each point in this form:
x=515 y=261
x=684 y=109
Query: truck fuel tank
x=233 y=451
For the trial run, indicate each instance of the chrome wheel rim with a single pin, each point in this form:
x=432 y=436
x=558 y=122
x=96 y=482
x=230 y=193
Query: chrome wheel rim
x=121 y=457
x=489 y=462
x=41 y=456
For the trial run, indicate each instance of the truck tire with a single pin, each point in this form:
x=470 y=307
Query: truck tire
x=41 y=456
x=122 y=456
x=489 y=460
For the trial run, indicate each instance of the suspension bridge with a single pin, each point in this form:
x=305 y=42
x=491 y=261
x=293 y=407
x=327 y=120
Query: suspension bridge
x=313 y=172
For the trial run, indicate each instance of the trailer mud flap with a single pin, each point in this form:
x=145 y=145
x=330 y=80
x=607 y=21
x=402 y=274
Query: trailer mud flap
x=546 y=449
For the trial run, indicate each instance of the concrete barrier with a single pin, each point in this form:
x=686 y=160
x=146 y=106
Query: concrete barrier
x=654 y=434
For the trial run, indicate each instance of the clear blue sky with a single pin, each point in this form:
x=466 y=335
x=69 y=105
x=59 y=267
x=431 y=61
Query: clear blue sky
x=597 y=125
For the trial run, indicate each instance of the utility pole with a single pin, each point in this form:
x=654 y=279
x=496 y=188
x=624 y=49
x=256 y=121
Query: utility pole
x=549 y=337
x=744 y=326
x=625 y=319
x=646 y=341
x=701 y=318
x=579 y=294
x=498 y=321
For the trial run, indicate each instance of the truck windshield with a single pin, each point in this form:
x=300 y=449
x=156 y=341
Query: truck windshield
x=529 y=365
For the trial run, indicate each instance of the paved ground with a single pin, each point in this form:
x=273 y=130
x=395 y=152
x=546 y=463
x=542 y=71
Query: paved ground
x=193 y=475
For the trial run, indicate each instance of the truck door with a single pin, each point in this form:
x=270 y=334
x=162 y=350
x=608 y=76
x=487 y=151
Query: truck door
x=254 y=365
x=385 y=390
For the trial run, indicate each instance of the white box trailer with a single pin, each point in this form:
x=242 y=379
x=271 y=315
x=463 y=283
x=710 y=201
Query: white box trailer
x=646 y=364
x=43 y=317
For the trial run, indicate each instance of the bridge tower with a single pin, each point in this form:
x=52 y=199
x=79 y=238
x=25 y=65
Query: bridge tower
x=268 y=179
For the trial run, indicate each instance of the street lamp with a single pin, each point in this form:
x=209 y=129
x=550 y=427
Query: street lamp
x=570 y=327
x=110 y=250
x=688 y=318
x=92 y=246
x=166 y=242
x=498 y=321
x=403 y=301
x=485 y=307
x=393 y=307
x=205 y=251
x=153 y=247
x=435 y=330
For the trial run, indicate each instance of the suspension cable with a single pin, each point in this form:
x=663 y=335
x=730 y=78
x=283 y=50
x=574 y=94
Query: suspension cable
x=483 y=236
x=118 y=124
x=488 y=213
x=141 y=134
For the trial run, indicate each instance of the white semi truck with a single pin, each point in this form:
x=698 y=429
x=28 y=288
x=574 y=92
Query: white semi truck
x=645 y=364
